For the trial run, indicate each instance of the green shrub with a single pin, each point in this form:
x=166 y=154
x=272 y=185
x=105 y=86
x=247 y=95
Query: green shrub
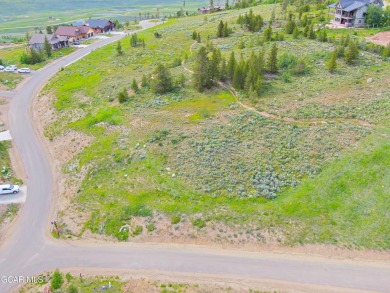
x=175 y=219
x=287 y=61
x=138 y=231
x=57 y=280
x=68 y=277
x=72 y=289
x=150 y=227
x=199 y=223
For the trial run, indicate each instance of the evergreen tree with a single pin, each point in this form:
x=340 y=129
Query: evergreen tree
x=49 y=30
x=56 y=281
x=202 y=76
x=162 y=80
x=220 y=29
x=123 y=96
x=194 y=35
x=226 y=31
x=239 y=75
x=267 y=34
x=227 y=4
x=272 y=64
x=134 y=40
x=198 y=39
x=145 y=81
x=47 y=47
x=290 y=26
x=134 y=85
x=119 y=48
x=215 y=71
x=231 y=66
x=224 y=71
x=311 y=34
x=296 y=33
x=351 y=53
x=331 y=65
x=306 y=31
x=386 y=51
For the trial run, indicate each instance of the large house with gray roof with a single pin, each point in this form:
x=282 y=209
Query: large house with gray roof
x=37 y=41
x=352 y=12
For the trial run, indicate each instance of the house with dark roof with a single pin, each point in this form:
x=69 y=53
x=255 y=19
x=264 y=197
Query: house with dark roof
x=352 y=12
x=37 y=41
x=209 y=9
x=72 y=33
x=100 y=25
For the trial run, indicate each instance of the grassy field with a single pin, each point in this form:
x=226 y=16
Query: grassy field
x=202 y=158
x=31 y=16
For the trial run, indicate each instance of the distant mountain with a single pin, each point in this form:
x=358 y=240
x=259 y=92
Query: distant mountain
x=12 y=7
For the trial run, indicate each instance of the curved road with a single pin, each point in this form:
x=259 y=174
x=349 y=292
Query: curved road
x=28 y=251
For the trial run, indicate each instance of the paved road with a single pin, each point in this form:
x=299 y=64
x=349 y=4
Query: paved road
x=28 y=251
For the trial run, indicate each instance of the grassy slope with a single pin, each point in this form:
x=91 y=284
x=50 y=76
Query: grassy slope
x=204 y=166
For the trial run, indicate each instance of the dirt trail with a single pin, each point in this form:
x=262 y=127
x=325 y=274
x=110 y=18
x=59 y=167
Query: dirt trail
x=270 y=115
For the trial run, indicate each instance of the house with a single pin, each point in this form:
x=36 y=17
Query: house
x=352 y=12
x=86 y=31
x=37 y=41
x=70 y=32
x=100 y=25
x=208 y=9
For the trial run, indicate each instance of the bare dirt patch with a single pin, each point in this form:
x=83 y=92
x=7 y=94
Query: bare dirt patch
x=382 y=38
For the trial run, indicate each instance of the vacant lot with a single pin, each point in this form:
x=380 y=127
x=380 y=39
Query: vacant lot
x=189 y=165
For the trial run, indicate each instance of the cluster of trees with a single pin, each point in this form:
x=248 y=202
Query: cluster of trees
x=211 y=67
x=196 y=36
x=223 y=30
x=35 y=56
x=378 y=17
x=348 y=49
x=250 y=21
x=135 y=41
x=160 y=82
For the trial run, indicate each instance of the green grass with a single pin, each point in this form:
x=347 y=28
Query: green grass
x=6 y=173
x=201 y=156
x=9 y=213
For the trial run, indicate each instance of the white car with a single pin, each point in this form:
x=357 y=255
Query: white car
x=1 y=67
x=24 y=70
x=9 y=188
x=9 y=69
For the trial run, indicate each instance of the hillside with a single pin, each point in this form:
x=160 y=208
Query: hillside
x=302 y=162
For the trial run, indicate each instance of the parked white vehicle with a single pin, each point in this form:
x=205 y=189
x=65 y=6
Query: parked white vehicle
x=24 y=70
x=9 y=188
x=1 y=67
x=9 y=69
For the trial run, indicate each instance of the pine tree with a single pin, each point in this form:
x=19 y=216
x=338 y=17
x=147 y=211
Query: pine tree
x=57 y=280
x=194 y=35
x=225 y=32
x=267 y=34
x=290 y=26
x=47 y=47
x=198 y=39
x=119 y=48
x=123 y=96
x=224 y=72
x=215 y=71
x=386 y=51
x=202 y=74
x=134 y=85
x=134 y=40
x=49 y=30
x=272 y=64
x=239 y=75
x=296 y=33
x=220 y=29
x=331 y=65
x=231 y=66
x=351 y=53
x=162 y=80
x=145 y=81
